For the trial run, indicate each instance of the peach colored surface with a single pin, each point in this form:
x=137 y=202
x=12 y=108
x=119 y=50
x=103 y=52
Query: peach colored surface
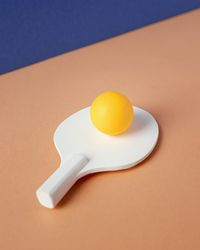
x=155 y=206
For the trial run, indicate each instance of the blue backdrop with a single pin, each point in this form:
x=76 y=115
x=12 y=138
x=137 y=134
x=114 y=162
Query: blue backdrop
x=33 y=30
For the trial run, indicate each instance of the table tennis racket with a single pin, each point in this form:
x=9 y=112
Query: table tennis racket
x=84 y=150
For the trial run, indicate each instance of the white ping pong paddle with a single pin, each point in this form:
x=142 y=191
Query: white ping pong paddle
x=85 y=150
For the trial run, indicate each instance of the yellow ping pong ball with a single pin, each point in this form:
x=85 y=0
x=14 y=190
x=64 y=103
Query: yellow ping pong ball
x=111 y=113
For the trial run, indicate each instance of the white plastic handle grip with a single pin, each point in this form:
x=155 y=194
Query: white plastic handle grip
x=59 y=183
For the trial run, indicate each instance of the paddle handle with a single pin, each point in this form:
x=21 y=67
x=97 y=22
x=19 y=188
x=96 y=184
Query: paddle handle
x=59 y=183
